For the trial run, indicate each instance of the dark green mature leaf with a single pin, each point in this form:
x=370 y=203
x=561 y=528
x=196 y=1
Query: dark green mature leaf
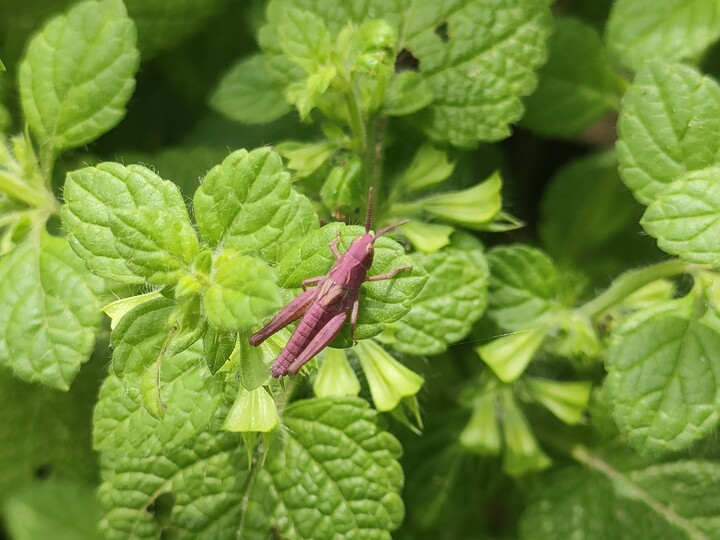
x=453 y=298
x=381 y=302
x=522 y=291
x=242 y=291
x=46 y=431
x=49 y=311
x=678 y=403
x=353 y=473
x=663 y=30
x=55 y=509
x=165 y=23
x=248 y=95
x=243 y=202
x=685 y=218
x=577 y=85
x=73 y=90
x=128 y=224
x=669 y=125
x=578 y=501
x=334 y=475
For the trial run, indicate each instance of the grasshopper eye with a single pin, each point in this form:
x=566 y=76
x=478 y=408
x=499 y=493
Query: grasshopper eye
x=369 y=249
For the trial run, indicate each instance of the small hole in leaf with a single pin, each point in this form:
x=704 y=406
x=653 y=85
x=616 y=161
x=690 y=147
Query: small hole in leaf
x=442 y=31
x=406 y=61
x=42 y=472
x=161 y=508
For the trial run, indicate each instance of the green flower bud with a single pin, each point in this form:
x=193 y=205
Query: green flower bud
x=566 y=400
x=522 y=453
x=388 y=379
x=253 y=411
x=482 y=433
x=336 y=378
x=116 y=310
x=509 y=355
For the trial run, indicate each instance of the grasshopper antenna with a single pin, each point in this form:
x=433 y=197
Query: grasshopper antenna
x=368 y=217
x=390 y=227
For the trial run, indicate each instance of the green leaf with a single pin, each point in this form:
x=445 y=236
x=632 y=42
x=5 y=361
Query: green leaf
x=305 y=158
x=460 y=45
x=381 y=302
x=577 y=84
x=162 y=24
x=523 y=287
x=49 y=311
x=664 y=30
x=300 y=220
x=217 y=347
x=203 y=469
x=685 y=218
x=241 y=292
x=247 y=94
x=46 y=431
x=248 y=364
x=158 y=244
x=453 y=298
x=335 y=475
x=342 y=191
x=457 y=46
x=243 y=202
x=428 y=168
x=677 y=405
x=304 y=39
x=589 y=219
x=474 y=208
x=54 y=509
x=111 y=199
x=669 y=124
x=671 y=500
x=186 y=455
x=407 y=93
x=72 y=89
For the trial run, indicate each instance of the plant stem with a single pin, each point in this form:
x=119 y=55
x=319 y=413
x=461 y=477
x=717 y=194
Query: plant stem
x=17 y=189
x=628 y=283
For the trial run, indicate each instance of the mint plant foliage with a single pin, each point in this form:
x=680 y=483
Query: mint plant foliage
x=544 y=364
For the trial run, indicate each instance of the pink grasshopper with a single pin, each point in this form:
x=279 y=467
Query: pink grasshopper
x=325 y=309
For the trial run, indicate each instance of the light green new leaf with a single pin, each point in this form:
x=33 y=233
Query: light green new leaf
x=304 y=39
x=428 y=168
x=453 y=298
x=577 y=85
x=474 y=208
x=685 y=218
x=54 y=509
x=49 y=311
x=248 y=95
x=78 y=74
x=522 y=289
x=334 y=475
x=663 y=366
x=128 y=224
x=407 y=93
x=154 y=243
x=241 y=293
x=381 y=302
x=669 y=124
x=243 y=202
x=662 y=30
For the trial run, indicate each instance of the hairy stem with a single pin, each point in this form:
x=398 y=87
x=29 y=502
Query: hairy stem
x=19 y=190
x=628 y=283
